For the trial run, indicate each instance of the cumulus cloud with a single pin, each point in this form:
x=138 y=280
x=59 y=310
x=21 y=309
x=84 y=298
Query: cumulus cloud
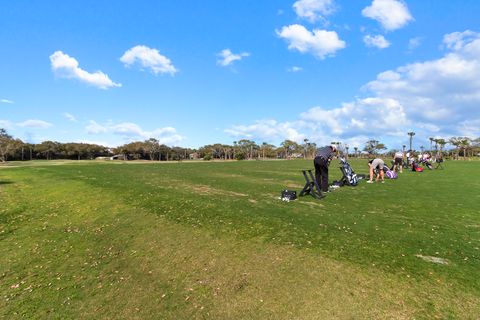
x=320 y=43
x=391 y=14
x=166 y=135
x=67 y=67
x=148 y=58
x=5 y=124
x=70 y=117
x=267 y=130
x=95 y=128
x=359 y=117
x=445 y=90
x=295 y=69
x=6 y=101
x=469 y=128
x=352 y=123
x=36 y=124
x=314 y=10
x=131 y=132
x=377 y=41
x=226 y=57
x=414 y=43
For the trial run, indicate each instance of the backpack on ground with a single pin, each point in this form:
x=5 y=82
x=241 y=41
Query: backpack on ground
x=390 y=174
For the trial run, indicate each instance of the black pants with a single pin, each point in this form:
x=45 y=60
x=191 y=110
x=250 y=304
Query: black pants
x=321 y=172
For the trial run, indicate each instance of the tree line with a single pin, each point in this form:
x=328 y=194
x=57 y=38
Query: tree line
x=15 y=149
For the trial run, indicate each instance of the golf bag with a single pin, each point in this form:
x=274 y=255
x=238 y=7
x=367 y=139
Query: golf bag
x=427 y=164
x=416 y=167
x=349 y=178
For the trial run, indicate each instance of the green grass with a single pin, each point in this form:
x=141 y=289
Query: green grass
x=212 y=240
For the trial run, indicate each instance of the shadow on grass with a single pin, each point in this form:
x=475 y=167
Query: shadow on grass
x=5 y=182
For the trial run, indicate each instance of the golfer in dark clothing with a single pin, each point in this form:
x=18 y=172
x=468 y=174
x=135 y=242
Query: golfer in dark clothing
x=321 y=163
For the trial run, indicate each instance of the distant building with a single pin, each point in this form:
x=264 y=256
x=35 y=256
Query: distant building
x=119 y=157
x=194 y=156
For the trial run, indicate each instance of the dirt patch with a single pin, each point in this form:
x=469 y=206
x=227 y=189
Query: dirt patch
x=433 y=259
x=204 y=189
x=312 y=204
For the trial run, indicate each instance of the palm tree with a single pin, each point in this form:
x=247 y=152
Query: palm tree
x=356 y=149
x=411 y=134
x=264 y=145
x=442 y=143
x=431 y=143
x=305 y=148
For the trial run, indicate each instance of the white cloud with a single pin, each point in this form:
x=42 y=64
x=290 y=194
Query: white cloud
x=227 y=57
x=95 y=128
x=148 y=58
x=352 y=123
x=414 y=43
x=267 y=130
x=314 y=10
x=5 y=124
x=469 y=128
x=133 y=132
x=6 y=101
x=392 y=14
x=128 y=129
x=70 y=117
x=166 y=135
x=444 y=91
x=361 y=117
x=67 y=67
x=295 y=69
x=37 y=124
x=377 y=41
x=459 y=40
x=320 y=43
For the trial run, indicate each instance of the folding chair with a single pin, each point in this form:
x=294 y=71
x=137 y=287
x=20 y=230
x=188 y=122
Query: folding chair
x=311 y=186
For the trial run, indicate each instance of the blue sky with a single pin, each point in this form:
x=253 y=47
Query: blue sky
x=192 y=73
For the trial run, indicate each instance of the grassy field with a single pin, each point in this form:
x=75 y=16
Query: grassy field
x=212 y=240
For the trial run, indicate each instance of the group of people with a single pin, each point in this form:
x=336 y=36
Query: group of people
x=325 y=155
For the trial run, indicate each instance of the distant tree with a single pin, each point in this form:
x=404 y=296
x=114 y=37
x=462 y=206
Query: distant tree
x=152 y=148
x=305 y=147
x=441 y=143
x=290 y=147
x=268 y=150
x=373 y=146
x=48 y=149
x=5 y=144
x=311 y=149
x=247 y=147
x=461 y=144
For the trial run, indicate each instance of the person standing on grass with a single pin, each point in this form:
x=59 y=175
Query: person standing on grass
x=377 y=164
x=321 y=162
x=398 y=161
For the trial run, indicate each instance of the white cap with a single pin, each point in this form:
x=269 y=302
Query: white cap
x=334 y=147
